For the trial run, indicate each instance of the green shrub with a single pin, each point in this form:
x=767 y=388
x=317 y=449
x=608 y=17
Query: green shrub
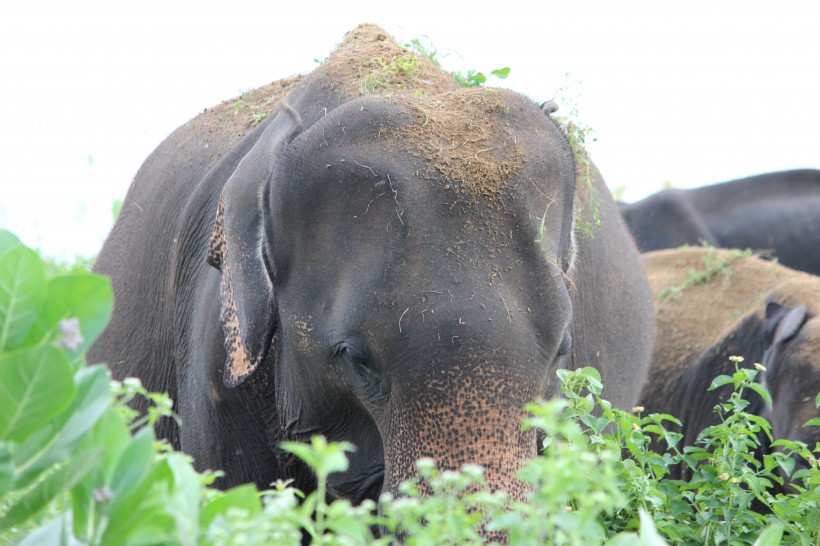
x=78 y=466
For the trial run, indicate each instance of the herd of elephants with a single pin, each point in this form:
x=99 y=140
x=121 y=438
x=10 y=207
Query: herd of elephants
x=402 y=265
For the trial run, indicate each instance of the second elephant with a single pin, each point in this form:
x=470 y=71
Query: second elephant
x=776 y=213
x=712 y=304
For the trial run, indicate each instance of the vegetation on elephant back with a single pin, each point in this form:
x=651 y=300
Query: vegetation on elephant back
x=78 y=466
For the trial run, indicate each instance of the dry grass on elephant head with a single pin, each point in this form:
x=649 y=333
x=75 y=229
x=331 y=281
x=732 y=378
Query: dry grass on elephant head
x=459 y=132
x=703 y=293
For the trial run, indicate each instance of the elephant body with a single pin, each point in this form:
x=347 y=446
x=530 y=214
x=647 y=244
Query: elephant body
x=752 y=308
x=393 y=266
x=777 y=213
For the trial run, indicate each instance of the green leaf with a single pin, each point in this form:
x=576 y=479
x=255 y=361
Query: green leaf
x=244 y=497
x=771 y=536
x=763 y=392
x=91 y=402
x=54 y=484
x=54 y=533
x=111 y=432
x=6 y=469
x=143 y=510
x=134 y=462
x=501 y=73
x=8 y=240
x=185 y=497
x=83 y=296
x=719 y=381
x=22 y=294
x=814 y=422
x=648 y=533
x=35 y=385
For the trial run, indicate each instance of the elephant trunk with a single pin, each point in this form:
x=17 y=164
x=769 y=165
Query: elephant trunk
x=463 y=414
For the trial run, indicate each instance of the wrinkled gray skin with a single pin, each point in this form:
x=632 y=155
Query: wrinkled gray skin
x=778 y=213
x=351 y=292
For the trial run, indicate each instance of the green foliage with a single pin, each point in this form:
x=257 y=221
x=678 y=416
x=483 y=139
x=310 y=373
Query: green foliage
x=579 y=135
x=423 y=47
x=79 y=466
x=713 y=266
x=397 y=72
x=474 y=78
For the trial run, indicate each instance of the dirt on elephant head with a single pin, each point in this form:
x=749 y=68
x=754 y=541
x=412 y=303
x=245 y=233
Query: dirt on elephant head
x=236 y=116
x=368 y=60
x=460 y=132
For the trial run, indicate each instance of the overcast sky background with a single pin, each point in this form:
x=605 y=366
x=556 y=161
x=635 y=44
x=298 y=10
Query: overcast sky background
x=685 y=93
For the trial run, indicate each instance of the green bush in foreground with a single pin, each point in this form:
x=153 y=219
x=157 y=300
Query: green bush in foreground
x=78 y=467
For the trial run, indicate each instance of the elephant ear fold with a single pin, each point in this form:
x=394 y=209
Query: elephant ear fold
x=247 y=297
x=780 y=325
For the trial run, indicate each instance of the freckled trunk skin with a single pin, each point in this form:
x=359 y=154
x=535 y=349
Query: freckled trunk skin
x=463 y=414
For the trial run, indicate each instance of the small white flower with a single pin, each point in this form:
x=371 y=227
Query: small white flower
x=70 y=335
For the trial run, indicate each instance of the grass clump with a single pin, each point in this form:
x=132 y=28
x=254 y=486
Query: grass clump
x=712 y=266
x=400 y=72
x=578 y=135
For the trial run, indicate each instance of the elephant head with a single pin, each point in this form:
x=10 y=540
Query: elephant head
x=792 y=373
x=402 y=266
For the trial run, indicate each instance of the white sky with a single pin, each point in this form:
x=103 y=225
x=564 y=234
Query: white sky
x=681 y=92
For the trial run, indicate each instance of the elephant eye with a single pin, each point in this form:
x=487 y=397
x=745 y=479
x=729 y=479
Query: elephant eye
x=566 y=344
x=352 y=355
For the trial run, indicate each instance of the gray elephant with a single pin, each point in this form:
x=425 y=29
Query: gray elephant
x=391 y=261
x=753 y=308
x=777 y=213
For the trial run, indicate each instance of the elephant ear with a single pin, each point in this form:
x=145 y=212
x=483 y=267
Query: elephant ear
x=780 y=325
x=246 y=291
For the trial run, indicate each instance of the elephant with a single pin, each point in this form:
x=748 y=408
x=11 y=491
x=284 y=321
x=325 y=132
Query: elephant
x=777 y=213
x=752 y=308
x=385 y=259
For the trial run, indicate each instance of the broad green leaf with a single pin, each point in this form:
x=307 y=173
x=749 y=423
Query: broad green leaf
x=143 y=510
x=32 y=448
x=35 y=385
x=92 y=400
x=22 y=294
x=6 y=469
x=134 y=462
x=719 y=381
x=185 y=497
x=83 y=296
x=771 y=536
x=813 y=422
x=111 y=431
x=244 y=497
x=8 y=240
x=648 y=533
x=89 y=496
x=501 y=73
x=54 y=484
x=53 y=533
x=763 y=392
